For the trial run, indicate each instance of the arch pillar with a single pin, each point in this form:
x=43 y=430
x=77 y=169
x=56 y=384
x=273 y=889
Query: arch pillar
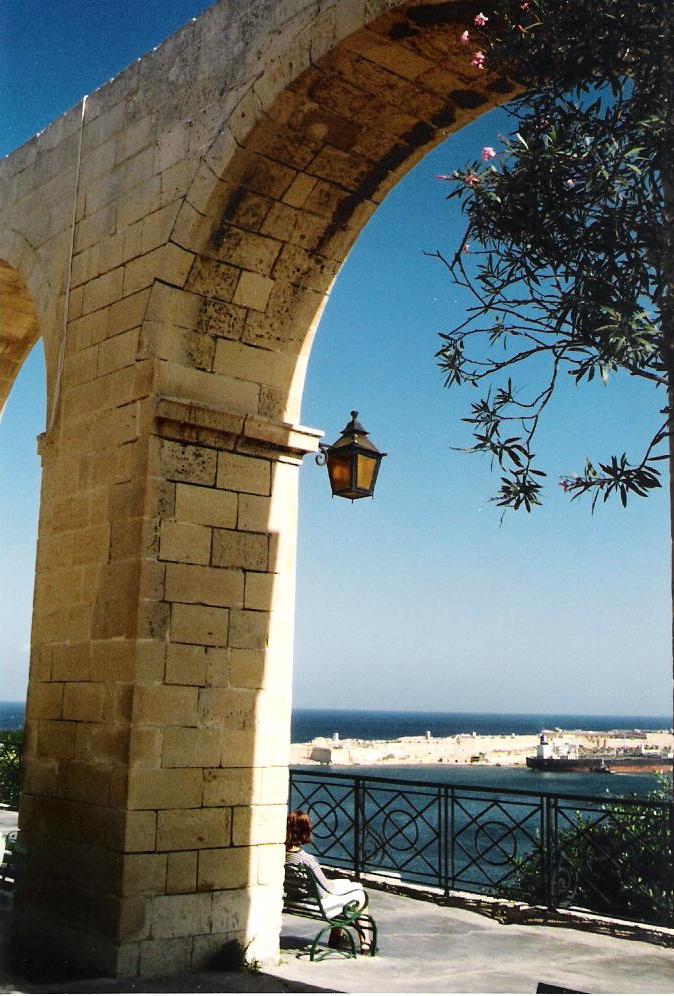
x=155 y=784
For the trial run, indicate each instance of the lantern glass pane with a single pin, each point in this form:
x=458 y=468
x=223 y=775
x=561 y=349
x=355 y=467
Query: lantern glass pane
x=365 y=468
x=340 y=473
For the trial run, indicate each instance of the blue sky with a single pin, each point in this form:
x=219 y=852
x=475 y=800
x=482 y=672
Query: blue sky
x=419 y=599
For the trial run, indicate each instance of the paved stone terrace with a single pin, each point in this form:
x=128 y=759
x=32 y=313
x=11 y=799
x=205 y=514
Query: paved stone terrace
x=428 y=948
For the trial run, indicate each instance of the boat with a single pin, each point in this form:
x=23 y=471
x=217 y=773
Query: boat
x=562 y=756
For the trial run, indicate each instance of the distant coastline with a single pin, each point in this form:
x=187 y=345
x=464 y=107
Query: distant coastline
x=493 y=750
x=307 y=724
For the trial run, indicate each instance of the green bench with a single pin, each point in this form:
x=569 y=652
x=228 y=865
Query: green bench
x=8 y=866
x=303 y=896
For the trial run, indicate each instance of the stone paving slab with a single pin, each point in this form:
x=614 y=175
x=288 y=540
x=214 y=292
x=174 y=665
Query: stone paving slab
x=429 y=948
x=426 y=948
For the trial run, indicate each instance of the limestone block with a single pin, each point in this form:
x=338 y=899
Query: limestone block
x=105 y=743
x=92 y=544
x=306 y=269
x=87 y=783
x=165 y=957
x=135 y=137
x=199 y=624
x=169 y=263
x=264 y=366
x=204 y=585
x=186 y=664
x=190 y=829
x=205 y=506
x=253 y=291
x=213 y=279
x=274 y=785
x=259 y=825
x=144 y=747
x=182 y=462
x=226 y=708
x=229 y=786
x=141 y=201
x=176 y=180
x=111 y=252
x=230 y=911
x=242 y=550
x=260 y=591
x=266 y=176
x=165 y=705
x=143 y=874
x=85 y=265
x=248 y=629
x=72 y=662
x=270 y=859
x=247 y=668
x=241 y=473
x=247 y=250
x=254 y=513
x=217 y=667
x=56 y=739
x=185 y=542
x=140 y=831
x=164 y=789
x=221 y=319
x=182 y=872
x=208 y=388
x=103 y=290
x=172 y=145
x=128 y=313
x=120 y=351
x=190 y=748
x=94 y=227
x=84 y=701
x=225 y=868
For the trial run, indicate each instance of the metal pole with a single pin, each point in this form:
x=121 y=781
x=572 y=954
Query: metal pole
x=358 y=822
x=550 y=852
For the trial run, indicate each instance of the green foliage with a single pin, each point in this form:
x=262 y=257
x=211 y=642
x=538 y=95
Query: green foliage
x=568 y=252
x=11 y=745
x=617 y=862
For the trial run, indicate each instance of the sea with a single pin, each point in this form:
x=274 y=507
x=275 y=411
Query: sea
x=376 y=725
x=371 y=725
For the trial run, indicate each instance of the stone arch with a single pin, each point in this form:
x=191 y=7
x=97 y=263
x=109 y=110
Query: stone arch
x=223 y=180
x=283 y=191
x=26 y=310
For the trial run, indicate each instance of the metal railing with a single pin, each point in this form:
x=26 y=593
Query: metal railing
x=603 y=854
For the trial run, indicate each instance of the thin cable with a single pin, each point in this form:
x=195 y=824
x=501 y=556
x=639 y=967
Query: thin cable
x=68 y=276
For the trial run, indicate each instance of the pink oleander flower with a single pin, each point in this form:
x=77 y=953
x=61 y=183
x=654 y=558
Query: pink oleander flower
x=478 y=60
x=570 y=184
x=480 y=20
x=521 y=29
x=488 y=153
x=565 y=485
x=471 y=179
x=524 y=6
x=465 y=38
x=465 y=247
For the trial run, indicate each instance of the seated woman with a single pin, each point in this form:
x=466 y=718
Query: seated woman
x=338 y=891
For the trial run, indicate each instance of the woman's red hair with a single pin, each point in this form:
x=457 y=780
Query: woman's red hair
x=298 y=829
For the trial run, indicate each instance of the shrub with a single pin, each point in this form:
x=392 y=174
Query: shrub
x=11 y=746
x=616 y=861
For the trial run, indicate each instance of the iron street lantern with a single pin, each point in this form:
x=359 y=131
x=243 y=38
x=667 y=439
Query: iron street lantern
x=353 y=462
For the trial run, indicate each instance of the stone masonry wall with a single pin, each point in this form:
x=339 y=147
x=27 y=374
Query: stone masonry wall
x=216 y=187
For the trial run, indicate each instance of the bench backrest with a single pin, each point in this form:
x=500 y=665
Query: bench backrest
x=8 y=865
x=301 y=892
